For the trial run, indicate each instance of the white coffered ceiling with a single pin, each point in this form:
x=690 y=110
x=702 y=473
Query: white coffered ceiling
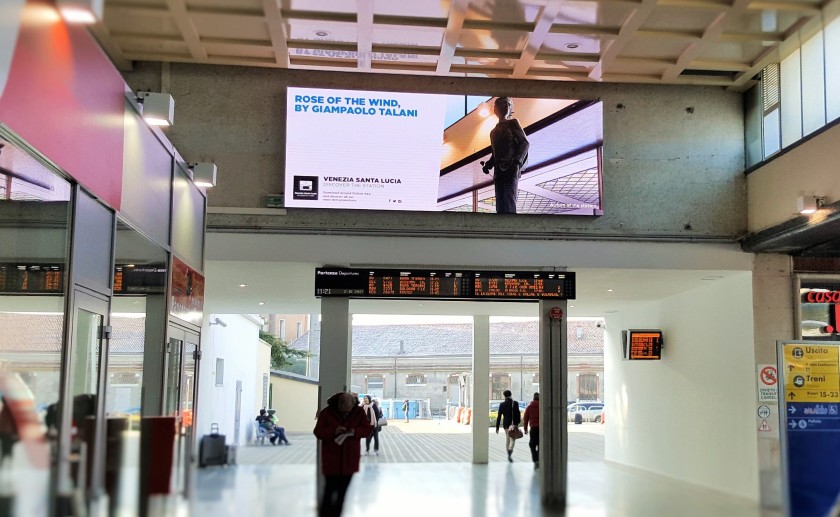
x=716 y=42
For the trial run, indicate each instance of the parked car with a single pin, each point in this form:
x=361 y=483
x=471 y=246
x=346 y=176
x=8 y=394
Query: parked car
x=494 y=411
x=589 y=411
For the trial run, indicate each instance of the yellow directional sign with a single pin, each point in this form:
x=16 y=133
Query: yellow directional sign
x=812 y=373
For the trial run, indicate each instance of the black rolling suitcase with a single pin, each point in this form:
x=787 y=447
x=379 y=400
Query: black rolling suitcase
x=212 y=450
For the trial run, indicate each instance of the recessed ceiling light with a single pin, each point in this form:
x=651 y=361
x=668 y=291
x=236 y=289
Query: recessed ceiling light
x=609 y=290
x=322 y=34
x=129 y=265
x=572 y=45
x=571 y=306
x=262 y=303
x=243 y=285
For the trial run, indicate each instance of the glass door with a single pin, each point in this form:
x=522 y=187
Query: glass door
x=82 y=445
x=181 y=371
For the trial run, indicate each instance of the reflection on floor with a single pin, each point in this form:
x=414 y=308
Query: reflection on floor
x=427 y=442
x=436 y=489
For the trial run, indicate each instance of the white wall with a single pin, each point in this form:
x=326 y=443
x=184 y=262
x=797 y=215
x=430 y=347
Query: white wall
x=809 y=169
x=689 y=416
x=239 y=345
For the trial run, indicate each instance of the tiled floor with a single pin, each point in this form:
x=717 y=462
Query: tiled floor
x=425 y=470
x=458 y=489
x=427 y=442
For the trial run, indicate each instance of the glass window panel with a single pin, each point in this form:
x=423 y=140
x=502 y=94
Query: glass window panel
x=752 y=126
x=791 y=99
x=813 y=84
x=771 y=133
x=33 y=267
x=832 y=68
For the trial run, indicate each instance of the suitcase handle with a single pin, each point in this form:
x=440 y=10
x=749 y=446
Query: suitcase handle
x=214 y=429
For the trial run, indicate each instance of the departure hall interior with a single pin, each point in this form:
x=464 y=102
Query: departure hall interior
x=610 y=226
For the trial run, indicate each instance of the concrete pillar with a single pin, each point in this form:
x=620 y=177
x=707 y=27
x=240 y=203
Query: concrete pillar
x=480 y=398
x=334 y=368
x=773 y=318
x=553 y=401
x=335 y=348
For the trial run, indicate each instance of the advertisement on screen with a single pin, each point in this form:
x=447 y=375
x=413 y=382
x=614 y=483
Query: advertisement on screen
x=366 y=150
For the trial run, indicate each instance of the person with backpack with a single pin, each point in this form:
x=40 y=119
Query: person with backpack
x=373 y=414
x=509 y=416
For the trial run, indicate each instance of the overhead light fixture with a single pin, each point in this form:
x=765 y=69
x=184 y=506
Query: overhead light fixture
x=809 y=204
x=243 y=285
x=80 y=11
x=204 y=174
x=158 y=108
x=262 y=303
x=572 y=45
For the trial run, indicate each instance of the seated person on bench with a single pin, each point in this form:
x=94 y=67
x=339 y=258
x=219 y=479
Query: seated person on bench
x=267 y=422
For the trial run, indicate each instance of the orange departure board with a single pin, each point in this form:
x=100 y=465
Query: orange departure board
x=442 y=284
x=643 y=344
x=31 y=278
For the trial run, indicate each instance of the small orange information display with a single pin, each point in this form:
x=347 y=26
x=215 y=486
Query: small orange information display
x=642 y=344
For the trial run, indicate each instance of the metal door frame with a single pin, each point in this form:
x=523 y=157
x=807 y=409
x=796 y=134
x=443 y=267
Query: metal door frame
x=81 y=299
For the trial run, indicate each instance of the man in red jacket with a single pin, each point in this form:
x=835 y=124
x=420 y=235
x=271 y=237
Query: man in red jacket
x=340 y=427
x=532 y=418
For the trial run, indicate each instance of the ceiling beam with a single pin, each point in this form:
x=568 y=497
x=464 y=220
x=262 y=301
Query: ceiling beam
x=545 y=19
x=364 y=34
x=809 y=9
x=627 y=32
x=710 y=35
x=112 y=48
x=277 y=31
x=457 y=14
x=769 y=55
x=178 y=9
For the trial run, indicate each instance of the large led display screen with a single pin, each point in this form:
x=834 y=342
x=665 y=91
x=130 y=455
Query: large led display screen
x=369 y=150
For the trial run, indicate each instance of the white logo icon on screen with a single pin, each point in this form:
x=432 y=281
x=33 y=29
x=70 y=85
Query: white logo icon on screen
x=306 y=185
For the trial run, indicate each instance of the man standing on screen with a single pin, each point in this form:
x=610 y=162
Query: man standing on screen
x=509 y=147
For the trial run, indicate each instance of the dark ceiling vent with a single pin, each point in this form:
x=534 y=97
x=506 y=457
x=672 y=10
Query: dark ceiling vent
x=708 y=73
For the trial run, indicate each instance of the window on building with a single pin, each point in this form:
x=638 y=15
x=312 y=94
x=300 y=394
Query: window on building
x=770 y=98
x=375 y=383
x=415 y=379
x=281 y=325
x=579 y=332
x=588 y=386
x=220 y=371
x=299 y=328
x=499 y=382
x=535 y=380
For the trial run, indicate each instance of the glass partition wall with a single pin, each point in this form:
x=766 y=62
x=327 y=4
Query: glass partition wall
x=137 y=323
x=35 y=212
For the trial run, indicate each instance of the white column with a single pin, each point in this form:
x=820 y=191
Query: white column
x=335 y=348
x=480 y=398
x=553 y=401
x=334 y=373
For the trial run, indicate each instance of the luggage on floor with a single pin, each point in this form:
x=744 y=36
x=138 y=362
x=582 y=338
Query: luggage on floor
x=212 y=450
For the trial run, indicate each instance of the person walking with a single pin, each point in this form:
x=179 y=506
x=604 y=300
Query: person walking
x=372 y=414
x=509 y=416
x=532 y=418
x=340 y=427
x=405 y=410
